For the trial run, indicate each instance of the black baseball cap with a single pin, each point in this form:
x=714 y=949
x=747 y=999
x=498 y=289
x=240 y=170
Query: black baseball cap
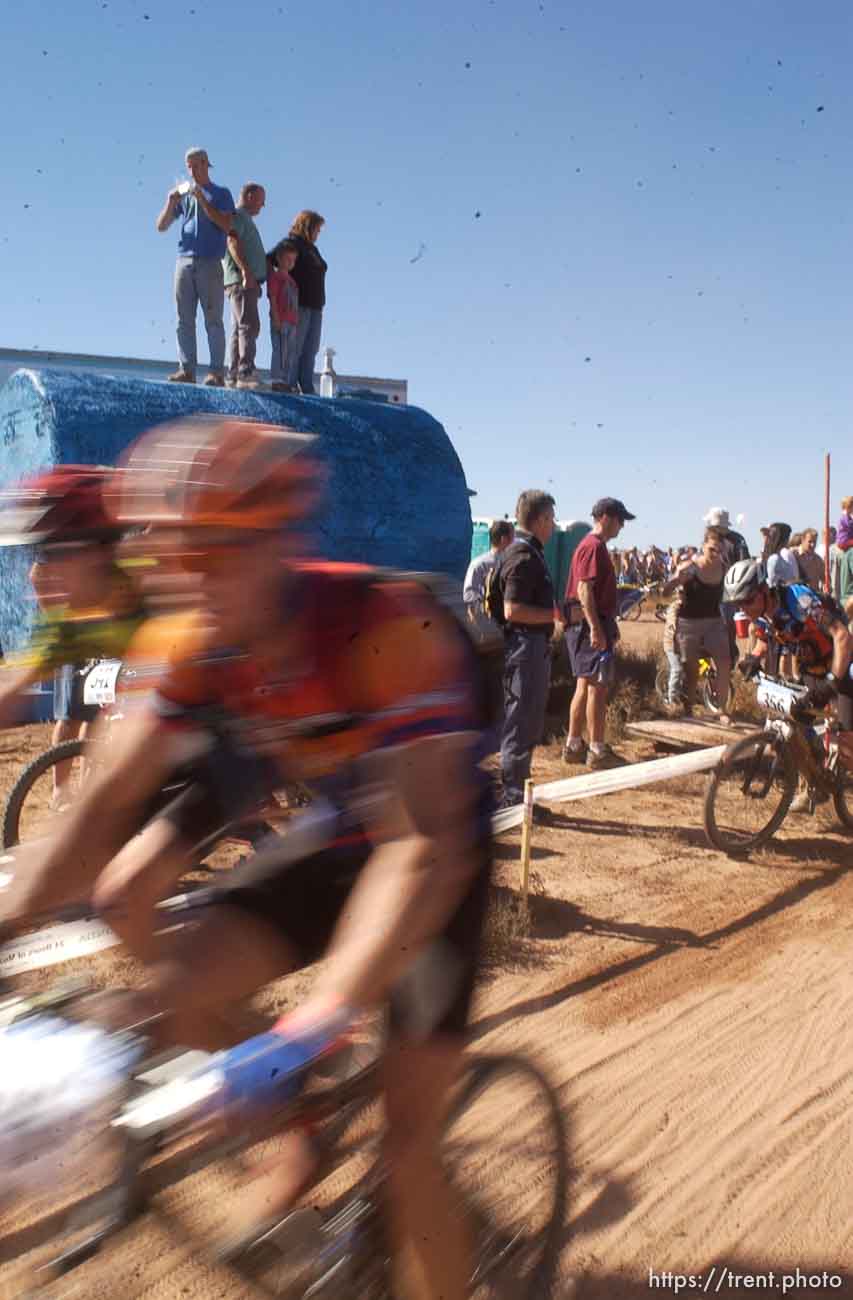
x=612 y=506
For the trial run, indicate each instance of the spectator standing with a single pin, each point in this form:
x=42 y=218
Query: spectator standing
x=675 y=686
x=501 y=535
x=835 y=557
x=591 y=635
x=700 y=628
x=809 y=562
x=310 y=276
x=284 y=312
x=780 y=562
x=244 y=268
x=206 y=212
x=528 y=601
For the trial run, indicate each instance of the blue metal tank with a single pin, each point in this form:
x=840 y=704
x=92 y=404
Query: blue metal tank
x=396 y=494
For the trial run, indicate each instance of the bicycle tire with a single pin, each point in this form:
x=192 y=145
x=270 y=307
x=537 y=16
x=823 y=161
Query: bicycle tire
x=67 y=750
x=479 y=1073
x=709 y=694
x=482 y=1071
x=842 y=797
x=735 y=844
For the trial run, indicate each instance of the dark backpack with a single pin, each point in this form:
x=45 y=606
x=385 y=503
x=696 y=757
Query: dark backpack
x=493 y=596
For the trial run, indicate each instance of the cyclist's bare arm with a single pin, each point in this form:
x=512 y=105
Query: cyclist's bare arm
x=842 y=649
x=62 y=868
x=13 y=683
x=424 y=861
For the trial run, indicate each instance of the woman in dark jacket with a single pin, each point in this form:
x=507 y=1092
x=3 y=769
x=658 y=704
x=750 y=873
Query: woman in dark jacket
x=310 y=276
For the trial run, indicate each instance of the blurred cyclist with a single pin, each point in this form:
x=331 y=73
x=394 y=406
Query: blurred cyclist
x=338 y=676
x=88 y=607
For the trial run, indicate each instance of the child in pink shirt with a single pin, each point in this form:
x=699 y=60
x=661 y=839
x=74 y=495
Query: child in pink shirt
x=284 y=314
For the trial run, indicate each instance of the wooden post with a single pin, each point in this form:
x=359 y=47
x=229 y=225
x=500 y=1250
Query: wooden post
x=826 y=565
x=526 y=832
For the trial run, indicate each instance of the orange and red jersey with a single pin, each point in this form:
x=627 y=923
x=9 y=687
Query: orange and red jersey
x=359 y=662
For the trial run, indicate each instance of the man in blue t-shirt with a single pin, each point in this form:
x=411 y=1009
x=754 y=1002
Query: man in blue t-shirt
x=205 y=211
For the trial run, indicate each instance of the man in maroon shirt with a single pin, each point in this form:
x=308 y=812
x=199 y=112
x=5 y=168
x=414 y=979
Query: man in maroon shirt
x=591 y=634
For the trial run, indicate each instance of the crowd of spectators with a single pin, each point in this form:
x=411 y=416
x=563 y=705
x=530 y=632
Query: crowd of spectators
x=699 y=625
x=221 y=253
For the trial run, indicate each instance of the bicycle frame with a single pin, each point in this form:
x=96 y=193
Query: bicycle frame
x=124 y=1201
x=781 y=698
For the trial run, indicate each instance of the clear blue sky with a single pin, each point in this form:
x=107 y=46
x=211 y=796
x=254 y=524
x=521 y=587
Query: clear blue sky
x=607 y=244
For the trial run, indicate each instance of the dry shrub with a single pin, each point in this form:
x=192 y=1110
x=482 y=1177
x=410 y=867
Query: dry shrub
x=633 y=694
x=506 y=929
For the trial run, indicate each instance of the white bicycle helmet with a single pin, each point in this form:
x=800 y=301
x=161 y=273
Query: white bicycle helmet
x=743 y=580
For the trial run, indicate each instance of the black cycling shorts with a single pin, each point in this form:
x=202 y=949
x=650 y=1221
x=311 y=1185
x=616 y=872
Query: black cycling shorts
x=206 y=795
x=304 y=901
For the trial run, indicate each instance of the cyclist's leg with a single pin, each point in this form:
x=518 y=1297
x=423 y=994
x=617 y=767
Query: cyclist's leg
x=142 y=873
x=429 y=1013
x=203 y=971
x=429 y=1235
x=210 y=793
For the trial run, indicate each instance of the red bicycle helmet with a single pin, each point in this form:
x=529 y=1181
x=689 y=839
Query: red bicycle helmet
x=62 y=505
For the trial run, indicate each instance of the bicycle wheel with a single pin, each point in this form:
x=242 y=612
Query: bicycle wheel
x=660 y=611
x=634 y=610
x=842 y=797
x=749 y=793
x=511 y=1179
x=709 y=693
x=31 y=806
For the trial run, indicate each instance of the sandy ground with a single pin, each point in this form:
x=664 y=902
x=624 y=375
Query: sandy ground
x=696 y=1017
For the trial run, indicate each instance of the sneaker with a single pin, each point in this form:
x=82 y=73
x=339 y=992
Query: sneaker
x=249 y=381
x=806 y=800
x=230 y=381
x=215 y=379
x=607 y=759
x=575 y=755
x=801 y=802
x=282 y=388
x=182 y=376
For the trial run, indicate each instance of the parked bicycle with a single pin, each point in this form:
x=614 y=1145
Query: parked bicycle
x=141 y=1124
x=750 y=791
x=707 y=687
x=632 y=602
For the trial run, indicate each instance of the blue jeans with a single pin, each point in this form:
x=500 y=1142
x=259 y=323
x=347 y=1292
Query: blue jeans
x=199 y=280
x=282 y=352
x=306 y=345
x=527 y=676
x=675 y=690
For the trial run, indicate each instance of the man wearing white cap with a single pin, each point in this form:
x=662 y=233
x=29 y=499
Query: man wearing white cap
x=735 y=545
x=205 y=210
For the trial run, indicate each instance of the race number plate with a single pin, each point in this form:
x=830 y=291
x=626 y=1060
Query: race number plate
x=100 y=684
x=776 y=697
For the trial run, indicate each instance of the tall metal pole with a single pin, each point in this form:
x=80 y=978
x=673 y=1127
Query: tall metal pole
x=826 y=564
